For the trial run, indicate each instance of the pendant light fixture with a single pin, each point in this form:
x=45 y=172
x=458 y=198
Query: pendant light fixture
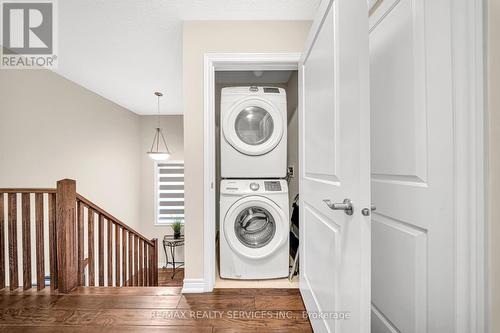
x=159 y=149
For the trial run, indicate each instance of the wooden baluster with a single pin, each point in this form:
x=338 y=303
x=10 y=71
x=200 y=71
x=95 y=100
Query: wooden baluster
x=117 y=255
x=146 y=280
x=40 y=255
x=141 y=246
x=12 y=216
x=81 y=266
x=67 y=256
x=136 y=261
x=52 y=241
x=130 y=258
x=26 y=229
x=2 y=243
x=145 y=263
x=101 y=250
x=110 y=254
x=91 y=243
x=150 y=264
x=155 y=262
x=124 y=257
x=153 y=250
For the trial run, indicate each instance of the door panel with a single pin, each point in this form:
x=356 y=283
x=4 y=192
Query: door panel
x=399 y=140
x=412 y=167
x=334 y=155
x=321 y=241
x=400 y=249
x=320 y=127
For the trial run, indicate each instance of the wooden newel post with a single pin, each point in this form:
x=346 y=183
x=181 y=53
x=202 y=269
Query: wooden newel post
x=67 y=261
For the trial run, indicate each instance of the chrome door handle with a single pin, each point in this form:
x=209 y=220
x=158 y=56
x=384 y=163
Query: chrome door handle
x=346 y=206
x=366 y=211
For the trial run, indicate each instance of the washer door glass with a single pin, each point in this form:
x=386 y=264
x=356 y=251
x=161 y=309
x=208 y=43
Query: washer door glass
x=254 y=125
x=254 y=227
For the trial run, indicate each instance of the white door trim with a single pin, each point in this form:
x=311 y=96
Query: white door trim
x=471 y=314
x=225 y=62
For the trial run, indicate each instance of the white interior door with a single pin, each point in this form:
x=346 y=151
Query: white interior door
x=413 y=252
x=335 y=158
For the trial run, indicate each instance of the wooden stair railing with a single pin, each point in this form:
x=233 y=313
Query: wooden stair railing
x=83 y=241
x=27 y=203
x=117 y=254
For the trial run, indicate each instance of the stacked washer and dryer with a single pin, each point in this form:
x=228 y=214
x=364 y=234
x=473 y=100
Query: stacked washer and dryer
x=254 y=213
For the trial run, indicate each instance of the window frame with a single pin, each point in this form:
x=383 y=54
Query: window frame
x=156 y=194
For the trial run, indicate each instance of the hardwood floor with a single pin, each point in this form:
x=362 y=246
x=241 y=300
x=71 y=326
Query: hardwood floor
x=153 y=309
x=165 y=277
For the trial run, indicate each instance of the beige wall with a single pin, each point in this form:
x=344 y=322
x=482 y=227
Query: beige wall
x=172 y=127
x=493 y=74
x=52 y=128
x=218 y=36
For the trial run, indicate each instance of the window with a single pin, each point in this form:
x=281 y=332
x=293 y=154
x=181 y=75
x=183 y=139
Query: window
x=170 y=192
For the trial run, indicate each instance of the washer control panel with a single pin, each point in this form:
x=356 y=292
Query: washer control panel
x=252 y=186
x=272 y=186
x=271 y=90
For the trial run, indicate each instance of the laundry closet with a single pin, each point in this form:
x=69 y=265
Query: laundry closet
x=256 y=146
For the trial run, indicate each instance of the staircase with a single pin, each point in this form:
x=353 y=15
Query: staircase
x=87 y=246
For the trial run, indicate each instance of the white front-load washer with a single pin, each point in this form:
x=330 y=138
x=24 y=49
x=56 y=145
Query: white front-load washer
x=254 y=229
x=253 y=124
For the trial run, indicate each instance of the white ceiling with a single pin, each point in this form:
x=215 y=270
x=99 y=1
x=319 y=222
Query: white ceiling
x=124 y=50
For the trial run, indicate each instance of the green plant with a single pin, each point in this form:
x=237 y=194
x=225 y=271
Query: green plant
x=176 y=226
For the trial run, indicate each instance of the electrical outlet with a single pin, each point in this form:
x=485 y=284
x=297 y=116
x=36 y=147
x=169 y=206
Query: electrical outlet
x=291 y=171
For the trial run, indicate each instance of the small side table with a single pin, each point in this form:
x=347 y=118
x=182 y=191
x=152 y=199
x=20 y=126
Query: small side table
x=171 y=242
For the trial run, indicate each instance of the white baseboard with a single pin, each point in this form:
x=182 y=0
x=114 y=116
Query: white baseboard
x=193 y=286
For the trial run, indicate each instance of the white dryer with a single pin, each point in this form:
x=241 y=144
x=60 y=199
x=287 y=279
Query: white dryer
x=254 y=229
x=253 y=132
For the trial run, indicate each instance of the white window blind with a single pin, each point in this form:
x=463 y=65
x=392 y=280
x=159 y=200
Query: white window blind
x=170 y=192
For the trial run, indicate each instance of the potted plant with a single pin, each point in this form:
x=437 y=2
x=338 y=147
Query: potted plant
x=176 y=227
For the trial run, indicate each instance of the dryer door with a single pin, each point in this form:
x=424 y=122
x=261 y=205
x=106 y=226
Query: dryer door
x=254 y=126
x=255 y=227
